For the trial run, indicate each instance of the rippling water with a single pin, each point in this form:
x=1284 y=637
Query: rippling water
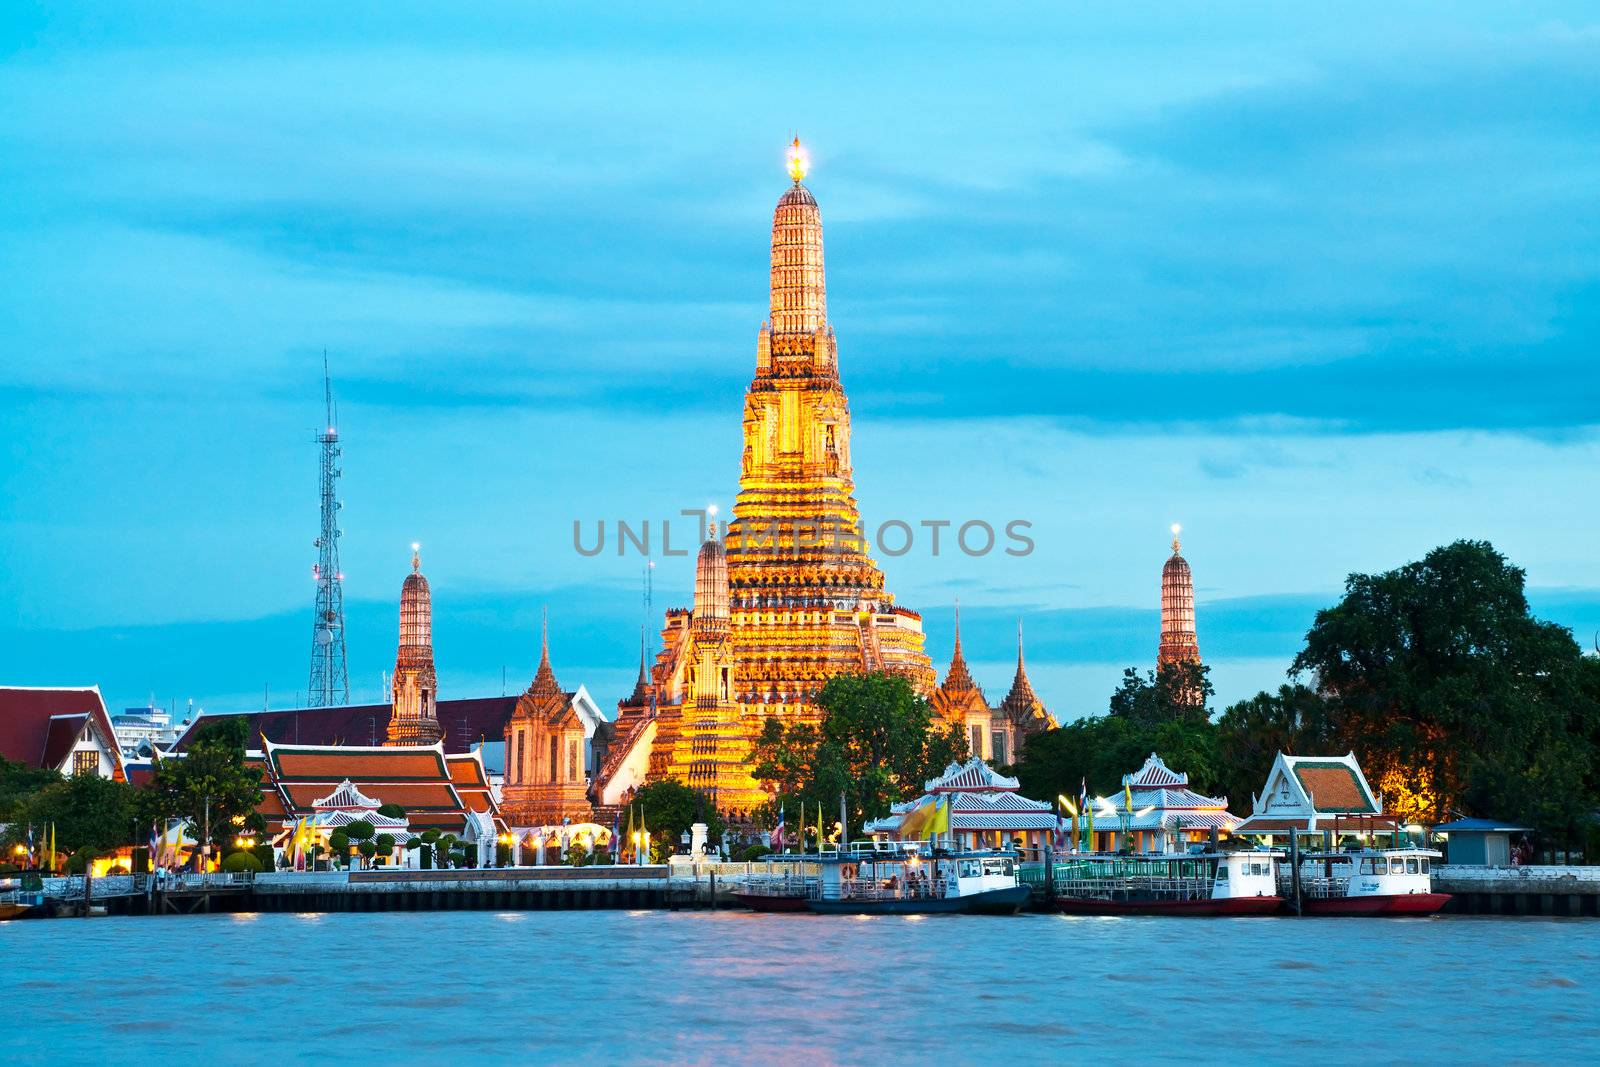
x=704 y=987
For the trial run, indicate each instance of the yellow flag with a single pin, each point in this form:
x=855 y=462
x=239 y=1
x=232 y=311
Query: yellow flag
x=939 y=819
x=1127 y=796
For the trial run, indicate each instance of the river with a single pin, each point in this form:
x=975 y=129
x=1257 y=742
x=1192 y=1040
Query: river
x=705 y=987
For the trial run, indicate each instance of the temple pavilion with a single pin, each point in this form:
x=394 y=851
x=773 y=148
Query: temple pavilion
x=1156 y=811
x=986 y=809
x=1316 y=795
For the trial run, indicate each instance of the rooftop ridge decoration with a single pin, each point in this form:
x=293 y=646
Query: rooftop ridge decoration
x=346 y=796
x=972 y=775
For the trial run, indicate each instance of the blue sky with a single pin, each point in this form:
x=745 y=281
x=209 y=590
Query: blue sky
x=1322 y=289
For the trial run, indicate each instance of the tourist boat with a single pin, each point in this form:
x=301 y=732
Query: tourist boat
x=1368 y=881
x=1188 y=884
x=911 y=878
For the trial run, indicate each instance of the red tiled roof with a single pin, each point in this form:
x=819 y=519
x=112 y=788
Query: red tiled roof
x=61 y=738
x=465 y=722
x=28 y=735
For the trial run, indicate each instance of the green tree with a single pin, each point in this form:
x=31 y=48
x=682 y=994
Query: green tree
x=391 y=811
x=1179 y=691
x=1097 y=752
x=1251 y=733
x=878 y=743
x=669 y=808
x=18 y=782
x=210 y=776
x=1454 y=696
x=359 y=830
x=89 y=812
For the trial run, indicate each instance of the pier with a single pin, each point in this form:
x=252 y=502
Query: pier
x=1536 y=891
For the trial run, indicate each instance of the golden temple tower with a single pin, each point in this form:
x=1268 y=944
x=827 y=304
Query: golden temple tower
x=806 y=600
x=703 y=736
x=413 y=720
x=1178 y=641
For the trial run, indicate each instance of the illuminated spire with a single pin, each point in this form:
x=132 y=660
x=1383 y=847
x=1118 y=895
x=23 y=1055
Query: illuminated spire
x=1178 y=641
x=799 y=161
x=711 y=620
x=1022 y=705
x=413 y=719
x=799 y=289
x=958 y=679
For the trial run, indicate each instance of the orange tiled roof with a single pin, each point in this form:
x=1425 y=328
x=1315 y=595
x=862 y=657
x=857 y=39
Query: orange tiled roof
x=413 y=796
x=466 y=771
x=1334 y=787
x=359 y=765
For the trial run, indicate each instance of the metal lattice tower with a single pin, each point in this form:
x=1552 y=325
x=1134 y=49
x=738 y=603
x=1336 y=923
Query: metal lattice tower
x=330 y=677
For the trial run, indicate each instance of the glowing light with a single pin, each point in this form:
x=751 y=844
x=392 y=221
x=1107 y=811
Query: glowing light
x=416 y=546
x=1176 y=529
x=799 y=161
x=711 y=509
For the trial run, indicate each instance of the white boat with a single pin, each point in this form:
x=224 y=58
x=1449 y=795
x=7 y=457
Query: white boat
x=1368 y=881
x=1243 y=882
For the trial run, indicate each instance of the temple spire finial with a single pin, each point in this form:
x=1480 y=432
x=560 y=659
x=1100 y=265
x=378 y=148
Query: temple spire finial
x=416 y=557
x=1019 y=642
x=1176 y=530
x=799 y=162
x=544 y=636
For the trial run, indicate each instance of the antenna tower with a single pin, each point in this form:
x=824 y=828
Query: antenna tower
x=330 y=677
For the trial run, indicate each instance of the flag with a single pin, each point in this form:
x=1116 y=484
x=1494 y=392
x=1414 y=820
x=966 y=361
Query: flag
x=777 y=832
x=1127 y=795
x=939 y=817
x=627 y=840
x=52 y=848
x=820 y=831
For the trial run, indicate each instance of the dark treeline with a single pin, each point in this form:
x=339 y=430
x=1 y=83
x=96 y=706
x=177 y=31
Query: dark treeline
x=1457 y=701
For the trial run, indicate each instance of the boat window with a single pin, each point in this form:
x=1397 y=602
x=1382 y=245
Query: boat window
x=1397 y=866
x=1412 y=866
x=1256 y=868
x=1424 y=865
x=1222 y=872
x=969 y=868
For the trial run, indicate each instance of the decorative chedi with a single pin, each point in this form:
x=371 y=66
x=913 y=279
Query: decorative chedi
x=959 y=701
x=806 y=601
x=415 y=688
x=993 y=733
x=545 y=781
x=1020 y=715
x=1178 y=641
x=703 y=735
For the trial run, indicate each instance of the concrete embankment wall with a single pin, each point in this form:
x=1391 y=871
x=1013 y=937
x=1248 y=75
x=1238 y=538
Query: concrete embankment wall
x=1538 y=891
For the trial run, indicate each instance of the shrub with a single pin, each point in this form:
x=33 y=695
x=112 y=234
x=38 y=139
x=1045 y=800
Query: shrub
x=79 y=860
x=577 y=855
x=603 y=856
x=427 y=856
x=339 y=842
x=430 y=836
x=392 y=811
x=263 y=852
x=751 y=853
x=359 y=830
x=502 y=855
x=367 y=849
x=241 y=861
x=385 y=843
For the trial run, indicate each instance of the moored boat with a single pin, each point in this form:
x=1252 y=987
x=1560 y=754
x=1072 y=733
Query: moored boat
x=904 y=878
x=1369 y=881
x=1180 y=884
x=15 y=903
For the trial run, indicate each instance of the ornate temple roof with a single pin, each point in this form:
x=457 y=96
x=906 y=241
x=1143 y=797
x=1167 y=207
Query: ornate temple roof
x=974 y=774
x=544 y=687
x=416 y=613
x=1154 y=775
x=1022 y=705
x=347 y=796
x=421 y=779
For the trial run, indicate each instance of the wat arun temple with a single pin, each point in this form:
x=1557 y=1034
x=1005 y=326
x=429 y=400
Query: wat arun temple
x=786 y=596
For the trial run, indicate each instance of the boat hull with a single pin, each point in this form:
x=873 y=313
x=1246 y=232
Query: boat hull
x=1007 y=901
x=1398 y=904
x=11 y=911
x=772 y=902
x=1194 y=908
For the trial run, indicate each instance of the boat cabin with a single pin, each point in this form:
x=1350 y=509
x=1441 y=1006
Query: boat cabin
x=1368 y=872
x=910 y=870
